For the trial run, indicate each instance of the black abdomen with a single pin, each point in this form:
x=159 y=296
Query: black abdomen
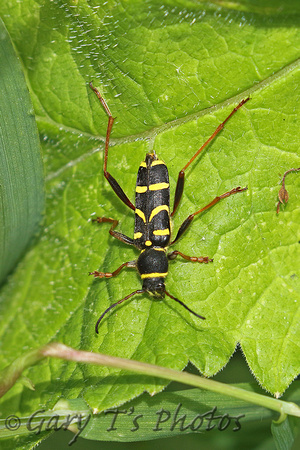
x=152 y=202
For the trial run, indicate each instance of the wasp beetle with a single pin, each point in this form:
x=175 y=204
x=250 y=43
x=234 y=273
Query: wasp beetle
x=152 y=229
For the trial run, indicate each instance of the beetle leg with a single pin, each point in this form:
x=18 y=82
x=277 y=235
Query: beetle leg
x=180 y=180
x=188 y=221
x=114 y=184
x=199 y=259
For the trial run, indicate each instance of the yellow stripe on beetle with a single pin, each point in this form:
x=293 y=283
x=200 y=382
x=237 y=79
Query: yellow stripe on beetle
x=137 y=235
x=152 y=187
x=164 y=232
x=157 y=210
x=140 y=189
x=140 y=214
x=154 y=275
x=158 y=186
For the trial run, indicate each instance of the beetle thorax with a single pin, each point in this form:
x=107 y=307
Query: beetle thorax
x=152 y=265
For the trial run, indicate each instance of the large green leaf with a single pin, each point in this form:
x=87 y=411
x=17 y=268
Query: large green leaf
x=21 y=171
x=169 y=414
x=170 y=75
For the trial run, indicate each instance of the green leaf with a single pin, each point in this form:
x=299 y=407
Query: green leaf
x=169 y=414
x=21 y=172
x=170 y=74
x=176 y=413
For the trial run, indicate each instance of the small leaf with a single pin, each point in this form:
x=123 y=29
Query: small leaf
x=283 y=193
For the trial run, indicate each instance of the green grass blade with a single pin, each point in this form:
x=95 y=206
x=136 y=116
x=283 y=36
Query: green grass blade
x=21 y=172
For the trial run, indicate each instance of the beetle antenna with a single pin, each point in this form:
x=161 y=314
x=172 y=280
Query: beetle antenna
x=186 y=307
x=139 y=291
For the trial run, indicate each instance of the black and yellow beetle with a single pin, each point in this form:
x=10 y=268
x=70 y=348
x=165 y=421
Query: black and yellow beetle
x=152 y=230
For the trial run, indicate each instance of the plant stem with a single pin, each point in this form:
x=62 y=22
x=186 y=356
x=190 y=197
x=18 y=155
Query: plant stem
x=56 y=350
